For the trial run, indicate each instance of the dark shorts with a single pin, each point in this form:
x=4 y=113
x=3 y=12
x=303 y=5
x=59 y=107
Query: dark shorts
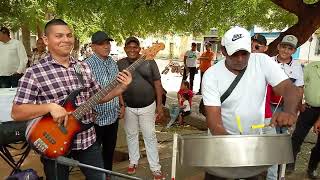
x=183 y=114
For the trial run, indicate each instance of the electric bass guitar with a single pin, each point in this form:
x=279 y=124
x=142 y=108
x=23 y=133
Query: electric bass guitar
x=51 y=139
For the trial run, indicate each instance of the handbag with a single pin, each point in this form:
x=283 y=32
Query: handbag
x=226 y=94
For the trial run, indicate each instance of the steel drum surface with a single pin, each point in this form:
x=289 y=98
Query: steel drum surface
x=235 y=156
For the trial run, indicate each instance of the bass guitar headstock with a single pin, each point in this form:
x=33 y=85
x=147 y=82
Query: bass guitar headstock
x=152 y=51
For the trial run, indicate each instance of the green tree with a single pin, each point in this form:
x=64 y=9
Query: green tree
x=144 y=17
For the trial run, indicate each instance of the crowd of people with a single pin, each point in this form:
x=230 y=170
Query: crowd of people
x=283 y=94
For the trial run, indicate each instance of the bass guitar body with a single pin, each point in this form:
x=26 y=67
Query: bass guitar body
x=51 y=139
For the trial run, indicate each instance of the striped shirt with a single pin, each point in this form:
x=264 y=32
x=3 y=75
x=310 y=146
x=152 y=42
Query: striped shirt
x=50 y=82
x=104 y=71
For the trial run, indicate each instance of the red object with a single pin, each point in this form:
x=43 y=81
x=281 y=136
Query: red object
x=268 y=111
x=132 y=170
x=189 y=92
x=274 y=99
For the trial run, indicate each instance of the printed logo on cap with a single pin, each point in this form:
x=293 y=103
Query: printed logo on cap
x=290 y=38
x=237 y=36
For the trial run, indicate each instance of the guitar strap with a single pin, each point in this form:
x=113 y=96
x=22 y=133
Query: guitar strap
x=79 y=74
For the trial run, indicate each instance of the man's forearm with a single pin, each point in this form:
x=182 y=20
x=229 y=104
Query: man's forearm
x=214 y=120
x=25 y=112
x=292 y=99
x=159 y=92
x=217 y=129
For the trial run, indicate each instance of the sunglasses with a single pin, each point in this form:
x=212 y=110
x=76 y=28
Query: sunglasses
x=257 y=46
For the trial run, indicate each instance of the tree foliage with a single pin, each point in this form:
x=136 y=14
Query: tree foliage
x=143 y=17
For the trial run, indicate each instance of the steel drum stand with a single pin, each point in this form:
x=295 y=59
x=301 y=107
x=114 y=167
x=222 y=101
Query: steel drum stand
x=282 y=172
x=174 y=156
x=74 y=163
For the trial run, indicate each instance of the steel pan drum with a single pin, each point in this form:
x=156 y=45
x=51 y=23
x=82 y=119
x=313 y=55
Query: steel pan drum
x=235 y=156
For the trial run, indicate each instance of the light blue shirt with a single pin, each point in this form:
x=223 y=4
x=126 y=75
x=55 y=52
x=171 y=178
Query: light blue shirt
x=105 y=71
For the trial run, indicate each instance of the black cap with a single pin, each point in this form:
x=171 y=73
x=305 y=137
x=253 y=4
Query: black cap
x=5 y=30
x=259 y=38
x=132 y=39
x=99 y=37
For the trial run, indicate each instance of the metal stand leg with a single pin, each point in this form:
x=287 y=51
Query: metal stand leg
x=282 y=172
x=174 y=156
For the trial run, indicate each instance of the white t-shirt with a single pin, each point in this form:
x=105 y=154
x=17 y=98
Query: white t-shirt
x=192 y=57
x=247 y=100
x=187 y=106
x=293 y=70
x=13 y=57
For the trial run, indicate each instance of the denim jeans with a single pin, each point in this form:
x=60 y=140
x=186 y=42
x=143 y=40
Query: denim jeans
x=272 y=173
x=174 y=112
x=90 y=156
x=280 y=130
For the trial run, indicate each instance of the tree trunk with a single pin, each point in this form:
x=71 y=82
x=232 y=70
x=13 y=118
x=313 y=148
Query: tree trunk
x=76 y=48
x=26 y=38
x=39 y=31
x=308 y=22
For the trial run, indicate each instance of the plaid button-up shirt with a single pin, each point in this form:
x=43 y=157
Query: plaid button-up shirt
x=104 y=71
x=50 y=82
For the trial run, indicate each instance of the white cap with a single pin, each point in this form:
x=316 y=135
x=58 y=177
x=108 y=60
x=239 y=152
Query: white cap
x=236 y=39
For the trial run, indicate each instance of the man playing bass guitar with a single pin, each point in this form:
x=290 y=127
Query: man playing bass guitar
x=42 y=92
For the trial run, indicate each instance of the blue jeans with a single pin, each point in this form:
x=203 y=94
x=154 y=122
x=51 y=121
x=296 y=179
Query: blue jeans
x=91 y=156
x=273 y=170
x=280 y=130
x=174 y=112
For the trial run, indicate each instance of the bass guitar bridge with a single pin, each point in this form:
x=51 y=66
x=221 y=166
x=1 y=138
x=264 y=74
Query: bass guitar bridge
x=40 y=145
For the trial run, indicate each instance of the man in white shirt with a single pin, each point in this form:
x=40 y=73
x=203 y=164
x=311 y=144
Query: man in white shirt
x=247 y=100
x=13 y=59
x=190 y=64
x=286 y=48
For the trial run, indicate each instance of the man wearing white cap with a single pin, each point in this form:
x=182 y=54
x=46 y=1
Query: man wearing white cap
x=247 y=99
